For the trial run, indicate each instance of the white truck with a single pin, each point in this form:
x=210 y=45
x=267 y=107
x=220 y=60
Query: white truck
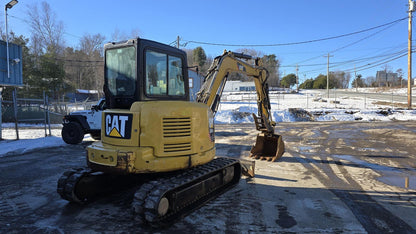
x=78 y=123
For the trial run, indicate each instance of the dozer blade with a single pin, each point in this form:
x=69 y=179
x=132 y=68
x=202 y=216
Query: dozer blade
x=268 y=147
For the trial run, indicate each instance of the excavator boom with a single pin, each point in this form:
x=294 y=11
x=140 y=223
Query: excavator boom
x=268 y=146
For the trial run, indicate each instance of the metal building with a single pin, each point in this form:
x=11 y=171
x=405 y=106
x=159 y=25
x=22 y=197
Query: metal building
x=239 y=86
x=387 y=78
x=11 y=73
x=15 y=65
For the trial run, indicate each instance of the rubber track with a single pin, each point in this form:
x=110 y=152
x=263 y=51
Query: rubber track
x=146 y=199
x=68 y=181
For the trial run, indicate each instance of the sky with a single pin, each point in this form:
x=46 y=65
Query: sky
x=246 y=23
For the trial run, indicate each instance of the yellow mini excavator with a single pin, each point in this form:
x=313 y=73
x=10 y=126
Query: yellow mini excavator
x=151 y=132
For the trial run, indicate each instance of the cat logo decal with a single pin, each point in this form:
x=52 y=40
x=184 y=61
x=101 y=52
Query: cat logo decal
x=118 y=125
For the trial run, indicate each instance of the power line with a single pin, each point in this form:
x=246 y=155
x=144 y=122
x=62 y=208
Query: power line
x=348 y=61
x=380 y=55
x=80 y=61
x=404 y=44
x=350 y=44
x=296 y=43
x=371 y=65
x=26 y=21
x=75 y=65
x=362 y=39
x=336 y=64
x=378 y=64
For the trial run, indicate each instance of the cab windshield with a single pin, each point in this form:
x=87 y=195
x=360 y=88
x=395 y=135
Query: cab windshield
x=120 y=71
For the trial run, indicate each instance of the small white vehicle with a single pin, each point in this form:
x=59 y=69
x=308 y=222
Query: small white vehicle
x=79 y=123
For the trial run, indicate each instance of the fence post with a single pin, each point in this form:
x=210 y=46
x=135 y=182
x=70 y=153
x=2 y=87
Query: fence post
x=278 y=101
x=1 y=120
x=49 y=119
x=15 y=112
x=365 y=101
x=44 y=113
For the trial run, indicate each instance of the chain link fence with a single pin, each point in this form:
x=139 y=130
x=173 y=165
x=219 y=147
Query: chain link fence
x=41 y=111
x=334 y=99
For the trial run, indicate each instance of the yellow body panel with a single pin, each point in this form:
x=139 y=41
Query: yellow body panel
x=165 y=136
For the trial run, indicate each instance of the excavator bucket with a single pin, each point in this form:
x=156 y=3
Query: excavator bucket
x=268 y=147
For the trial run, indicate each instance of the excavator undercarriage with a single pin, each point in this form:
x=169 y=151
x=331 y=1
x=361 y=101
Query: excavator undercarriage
x=159 y=200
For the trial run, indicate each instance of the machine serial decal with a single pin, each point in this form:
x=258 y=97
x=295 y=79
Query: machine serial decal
x=118 y=125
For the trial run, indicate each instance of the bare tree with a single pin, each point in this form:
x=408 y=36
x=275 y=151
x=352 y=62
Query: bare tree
x=400 y=76
x=84 y=67
x=343 y=79
x=92 y=44
x=252 y=52
x=47 y=31
x=239 y=76
x=190 y=57
x=371 y=81
x=118 y=35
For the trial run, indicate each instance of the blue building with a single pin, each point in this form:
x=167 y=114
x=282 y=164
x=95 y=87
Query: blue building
x=15 y=65
x=10 y=75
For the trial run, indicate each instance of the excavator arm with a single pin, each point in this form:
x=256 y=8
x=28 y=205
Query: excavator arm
x=268 y=145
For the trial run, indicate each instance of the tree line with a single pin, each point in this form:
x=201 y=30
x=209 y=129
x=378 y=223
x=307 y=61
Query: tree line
x=341 y=80
x=49 y=65
x=198 y=57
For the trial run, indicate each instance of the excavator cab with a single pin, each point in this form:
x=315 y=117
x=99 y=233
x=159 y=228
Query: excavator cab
x=140 y=70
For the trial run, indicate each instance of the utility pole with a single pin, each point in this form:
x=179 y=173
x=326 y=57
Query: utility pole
x=8 y=6
x=297 y=79
x=356 y=81
x=409 y=57
x=327 y=75
x=177 y=42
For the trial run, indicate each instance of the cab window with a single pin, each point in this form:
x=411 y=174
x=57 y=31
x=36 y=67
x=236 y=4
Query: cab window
x=163 y=75
x=120 y=71
x=176 y=82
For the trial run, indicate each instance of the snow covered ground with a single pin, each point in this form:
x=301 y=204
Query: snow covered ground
x=310 y=105
x=31 y=137
x=314 y=107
